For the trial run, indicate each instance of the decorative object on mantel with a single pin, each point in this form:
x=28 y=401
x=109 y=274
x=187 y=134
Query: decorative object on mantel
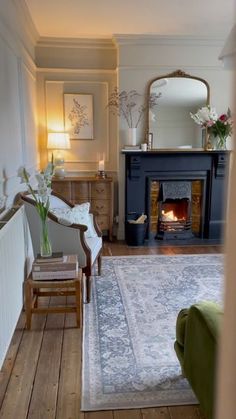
x=41 y=197
x=179 y=91
x=222 y=129
x=144 y=146
x=59 y=141
x=218 y=126
x=137 y=301
x=128 y=106
x=132 y=147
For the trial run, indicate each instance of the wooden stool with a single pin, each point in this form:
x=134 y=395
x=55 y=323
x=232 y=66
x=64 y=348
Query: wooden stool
x=32 y=291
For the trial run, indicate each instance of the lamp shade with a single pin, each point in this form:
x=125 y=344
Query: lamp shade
x=58 y=140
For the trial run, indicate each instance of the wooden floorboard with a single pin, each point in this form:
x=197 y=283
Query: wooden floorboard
x=48 y=368
x=18 y=393
x=10 y=358
x=156 y=413
x=69 y=394
x=131 y=414
x=186 y=412
x=40 y=377
x=100 y=415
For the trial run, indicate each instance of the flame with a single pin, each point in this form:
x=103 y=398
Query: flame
x=168 y=216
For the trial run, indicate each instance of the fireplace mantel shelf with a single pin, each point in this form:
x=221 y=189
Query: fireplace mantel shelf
x=174 y=151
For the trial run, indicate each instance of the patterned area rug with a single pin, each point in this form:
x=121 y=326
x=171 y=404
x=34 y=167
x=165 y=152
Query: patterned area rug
x=129 y=328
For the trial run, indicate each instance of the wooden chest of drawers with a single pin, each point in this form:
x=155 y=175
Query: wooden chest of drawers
x=99 y=192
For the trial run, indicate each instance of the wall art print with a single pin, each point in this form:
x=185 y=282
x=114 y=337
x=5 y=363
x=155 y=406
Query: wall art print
x=78 y=114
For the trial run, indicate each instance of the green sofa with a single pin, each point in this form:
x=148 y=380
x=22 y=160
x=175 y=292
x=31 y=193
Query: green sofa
x=197 y=331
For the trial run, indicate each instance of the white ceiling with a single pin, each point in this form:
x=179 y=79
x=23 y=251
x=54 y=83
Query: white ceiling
x=103 y=18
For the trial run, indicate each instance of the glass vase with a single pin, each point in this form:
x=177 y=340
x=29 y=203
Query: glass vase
x=221 y=143
x=45 y=244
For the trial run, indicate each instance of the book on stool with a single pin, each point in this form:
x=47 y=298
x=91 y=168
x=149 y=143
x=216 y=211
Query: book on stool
x=64 y=268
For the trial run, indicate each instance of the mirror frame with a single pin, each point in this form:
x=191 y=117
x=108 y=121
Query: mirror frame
x=174 y=74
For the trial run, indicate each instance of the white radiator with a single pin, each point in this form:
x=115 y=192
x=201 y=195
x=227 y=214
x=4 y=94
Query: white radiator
x=15 y=247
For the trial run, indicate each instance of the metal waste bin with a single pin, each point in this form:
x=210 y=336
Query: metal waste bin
x=135 y=233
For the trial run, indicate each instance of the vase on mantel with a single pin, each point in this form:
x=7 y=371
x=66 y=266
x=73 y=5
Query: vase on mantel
x=45 y=244
x=208 y=142
x=220 y=143
x=132 y=136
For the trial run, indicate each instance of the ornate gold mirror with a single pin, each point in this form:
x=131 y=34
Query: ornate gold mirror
x=169 y=123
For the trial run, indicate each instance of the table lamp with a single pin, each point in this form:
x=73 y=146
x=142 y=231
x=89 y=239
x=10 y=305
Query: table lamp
x=59 y=141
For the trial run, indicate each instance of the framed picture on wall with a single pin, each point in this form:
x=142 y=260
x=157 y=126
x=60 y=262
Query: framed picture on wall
x=78 y=115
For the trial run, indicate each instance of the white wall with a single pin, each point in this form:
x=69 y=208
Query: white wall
x=78 y=66
x=16 y=256
x=18 y=135
x=84 y=154
x=18 y=141
x=144 y=58
x=86 y=67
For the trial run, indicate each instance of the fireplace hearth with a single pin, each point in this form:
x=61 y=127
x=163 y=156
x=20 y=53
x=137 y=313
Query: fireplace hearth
x=197 y=208
x=174 y=211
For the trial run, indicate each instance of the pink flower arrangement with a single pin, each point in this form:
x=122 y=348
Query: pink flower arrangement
x=220 y=126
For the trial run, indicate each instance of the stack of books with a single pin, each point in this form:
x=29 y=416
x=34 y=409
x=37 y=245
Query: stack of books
x=55 y=267
x=131 y=148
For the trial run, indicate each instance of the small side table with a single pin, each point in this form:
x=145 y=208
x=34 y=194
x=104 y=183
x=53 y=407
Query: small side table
x=34 y=289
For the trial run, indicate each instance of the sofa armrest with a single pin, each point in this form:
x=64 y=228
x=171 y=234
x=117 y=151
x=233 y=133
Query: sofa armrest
x=200 y=351
x=94 y=223
x=180 y=335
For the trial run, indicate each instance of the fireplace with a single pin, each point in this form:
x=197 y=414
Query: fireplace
x=174 y=211
x=198 y=212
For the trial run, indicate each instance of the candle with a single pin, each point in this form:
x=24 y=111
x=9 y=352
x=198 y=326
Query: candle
x=101 y=165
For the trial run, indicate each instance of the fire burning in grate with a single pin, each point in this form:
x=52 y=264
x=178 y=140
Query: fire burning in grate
x=168 y=216
x=174 y=220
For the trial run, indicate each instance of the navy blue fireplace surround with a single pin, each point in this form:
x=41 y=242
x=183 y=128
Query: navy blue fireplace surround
x=210 y=167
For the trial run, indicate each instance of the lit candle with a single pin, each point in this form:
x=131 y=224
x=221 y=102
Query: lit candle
x=101 y=165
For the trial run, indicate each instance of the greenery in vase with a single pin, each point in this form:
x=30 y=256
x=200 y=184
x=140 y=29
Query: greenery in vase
x=41 y=198
x=128 y=106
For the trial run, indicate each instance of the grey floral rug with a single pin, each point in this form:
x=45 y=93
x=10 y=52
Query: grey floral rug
x=129 y=328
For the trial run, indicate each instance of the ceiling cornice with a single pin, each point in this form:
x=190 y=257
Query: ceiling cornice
x=155 y=39
x=25 y=18
x=93 y=43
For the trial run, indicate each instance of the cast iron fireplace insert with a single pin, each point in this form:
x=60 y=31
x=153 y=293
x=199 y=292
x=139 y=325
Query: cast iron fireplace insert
x=174 y=210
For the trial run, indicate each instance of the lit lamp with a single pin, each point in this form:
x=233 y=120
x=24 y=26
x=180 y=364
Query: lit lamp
x=59 y=141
